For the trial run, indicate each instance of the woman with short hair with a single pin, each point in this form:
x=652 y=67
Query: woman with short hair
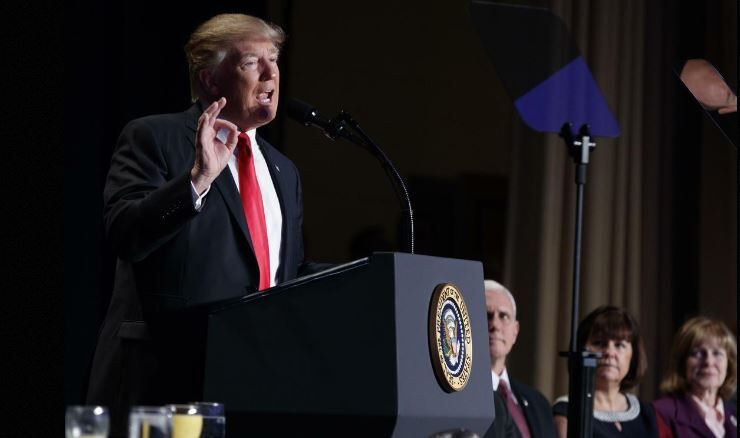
x=614 y=333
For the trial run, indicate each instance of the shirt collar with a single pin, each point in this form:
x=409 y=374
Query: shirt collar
x=252 y=134
x=496 y=379
x=705 y=409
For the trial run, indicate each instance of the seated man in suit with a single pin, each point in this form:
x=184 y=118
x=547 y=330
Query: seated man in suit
x=198 y=208
x=529 y=409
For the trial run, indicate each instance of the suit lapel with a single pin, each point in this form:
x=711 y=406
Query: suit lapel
x=267 y=153
x=730 y=421
x=524 y=403
x=224 y=183
x=689 y=417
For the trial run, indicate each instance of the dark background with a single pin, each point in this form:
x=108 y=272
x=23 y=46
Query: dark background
x=126 y=60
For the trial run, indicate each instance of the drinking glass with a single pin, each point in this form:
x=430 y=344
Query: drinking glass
x=186 y=421
x=86 y=422
x=214 y=419
x=149 y=422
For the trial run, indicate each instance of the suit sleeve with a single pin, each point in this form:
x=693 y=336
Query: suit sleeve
x=146 y=202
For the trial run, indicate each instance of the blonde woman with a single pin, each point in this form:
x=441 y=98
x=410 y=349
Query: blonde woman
x=702 y=376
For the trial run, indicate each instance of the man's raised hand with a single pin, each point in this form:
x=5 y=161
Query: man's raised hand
x=211 y=153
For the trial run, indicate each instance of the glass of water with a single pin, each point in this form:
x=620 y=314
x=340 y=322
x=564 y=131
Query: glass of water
x=86 y=422
x=214 y=419
x=149 y=422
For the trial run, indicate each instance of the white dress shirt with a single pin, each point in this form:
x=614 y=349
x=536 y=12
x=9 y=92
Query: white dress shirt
x=270 y=201
x=495 y=378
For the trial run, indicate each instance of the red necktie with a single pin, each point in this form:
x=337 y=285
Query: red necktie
x=516 y=412
x=249 y=190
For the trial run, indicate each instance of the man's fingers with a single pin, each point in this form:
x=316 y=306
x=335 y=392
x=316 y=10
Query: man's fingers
x=210 y=115
x=203 y=122
x=213 y=109
x=219 y=124
x=216 y=107
x=232 y=139
x=209 y=109
x=227 y=132
x=212 y=129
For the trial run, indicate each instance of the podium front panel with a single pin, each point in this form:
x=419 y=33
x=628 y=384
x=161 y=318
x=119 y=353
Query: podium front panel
x=420 y=394
x=346 y=351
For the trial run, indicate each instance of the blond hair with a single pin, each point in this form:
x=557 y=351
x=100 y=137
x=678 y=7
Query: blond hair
x=693 y=332
x=209 y=43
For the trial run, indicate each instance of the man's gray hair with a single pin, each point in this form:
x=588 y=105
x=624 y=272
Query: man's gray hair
x=494 y=286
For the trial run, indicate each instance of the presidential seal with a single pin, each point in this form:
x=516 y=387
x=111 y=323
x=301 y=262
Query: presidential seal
x=450 y=338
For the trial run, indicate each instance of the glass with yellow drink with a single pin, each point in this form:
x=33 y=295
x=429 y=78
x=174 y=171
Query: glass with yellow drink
x=186 y=421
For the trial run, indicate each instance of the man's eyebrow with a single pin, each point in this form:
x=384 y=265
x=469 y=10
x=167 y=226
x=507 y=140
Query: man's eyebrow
x=273 y=51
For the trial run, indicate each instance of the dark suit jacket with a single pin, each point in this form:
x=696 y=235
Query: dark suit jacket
x=171 y=259
x=503 y=424
x=537 y=410
x=684 y=420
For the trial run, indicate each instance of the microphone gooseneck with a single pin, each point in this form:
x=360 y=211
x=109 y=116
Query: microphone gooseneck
x=339 y=126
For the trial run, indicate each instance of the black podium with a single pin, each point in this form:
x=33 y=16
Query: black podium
x=346 y=352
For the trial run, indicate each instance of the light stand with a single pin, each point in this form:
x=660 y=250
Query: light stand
x=581 y=364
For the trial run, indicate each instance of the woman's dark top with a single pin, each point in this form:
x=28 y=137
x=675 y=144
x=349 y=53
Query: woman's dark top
x=637 y=421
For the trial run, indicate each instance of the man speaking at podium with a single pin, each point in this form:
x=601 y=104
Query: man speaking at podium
x=198 y=208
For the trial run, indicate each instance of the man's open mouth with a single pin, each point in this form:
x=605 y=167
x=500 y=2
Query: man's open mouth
x=265 y=97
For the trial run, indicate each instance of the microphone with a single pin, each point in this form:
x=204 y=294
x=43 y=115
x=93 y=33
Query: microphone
x=307 y=115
